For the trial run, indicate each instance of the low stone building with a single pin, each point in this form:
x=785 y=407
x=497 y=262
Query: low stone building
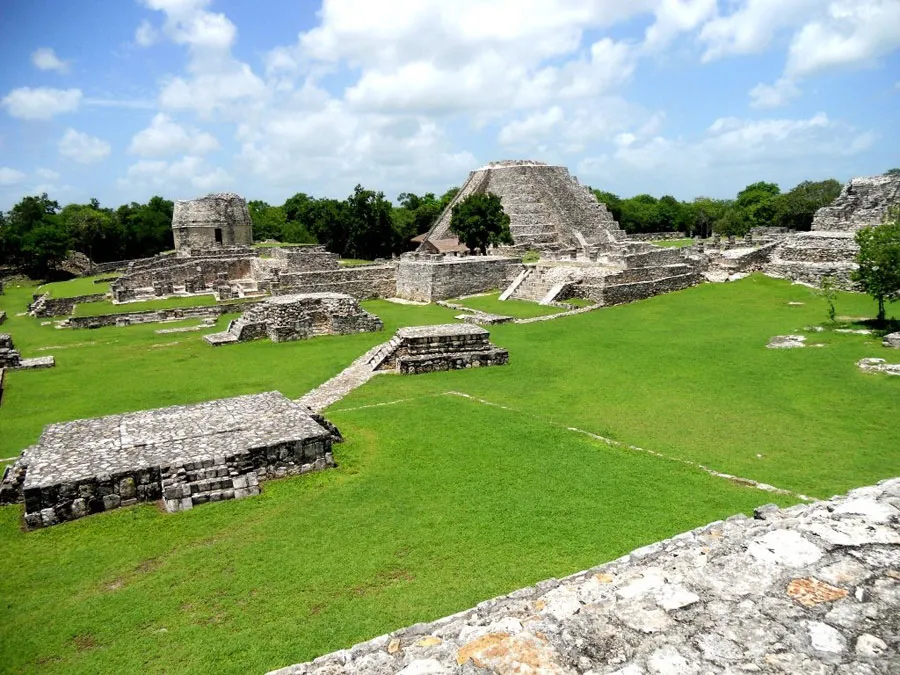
x=426 y=349
x=426 y=278
x=215 y=221
x=297 y=317
x=183 y=455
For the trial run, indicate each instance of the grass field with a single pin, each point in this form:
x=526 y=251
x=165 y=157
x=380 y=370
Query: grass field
x=673 y=243
x=75 y=287
x=439 y=500
x=517 y=308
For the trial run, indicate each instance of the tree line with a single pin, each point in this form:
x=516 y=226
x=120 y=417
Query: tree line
x=37 y=233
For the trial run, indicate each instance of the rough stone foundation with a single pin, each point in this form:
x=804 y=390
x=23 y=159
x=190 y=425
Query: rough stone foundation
x=813 y=589
x=426 y=349
x=184 y=455
x=428 y=278
x=298 y=317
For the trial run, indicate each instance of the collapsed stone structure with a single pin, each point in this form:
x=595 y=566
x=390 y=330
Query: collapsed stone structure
x=12 y=359
x=808 y=589
x=217 y=220
x=298 y=317
x=548 y=209
x=829 y=249
x=184 y=455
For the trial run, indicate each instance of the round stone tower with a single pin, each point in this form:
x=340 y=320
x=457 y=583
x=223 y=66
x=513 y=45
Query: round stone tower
x=213 y=221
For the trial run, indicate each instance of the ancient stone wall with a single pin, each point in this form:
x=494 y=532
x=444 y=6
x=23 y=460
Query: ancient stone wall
x=44 y=305
x=426 y=349
x=157 y=315
x=305 y=258
x=809 y=589
x=363 y=282
x=863 y=202
x=212 y=221
x=164 y=274
x=444 y=278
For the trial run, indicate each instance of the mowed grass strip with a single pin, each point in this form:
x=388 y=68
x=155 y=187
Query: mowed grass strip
x=521 y=309
x=436 y=505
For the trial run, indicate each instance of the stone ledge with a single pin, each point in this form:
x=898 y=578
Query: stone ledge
x=810 y=589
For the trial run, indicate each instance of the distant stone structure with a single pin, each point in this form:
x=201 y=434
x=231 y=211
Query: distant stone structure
x=426 y=278
x=217 y=220
x=183 y=455
x=829 y=249
x=455 y=346
x=548 y=209
x=298 y=317
x=809 y=589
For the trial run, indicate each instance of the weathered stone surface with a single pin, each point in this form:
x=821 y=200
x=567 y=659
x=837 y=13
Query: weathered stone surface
x=298 y=317
x=786 y=342
x=430 y=278
x=873 y=365
x=806 y=605
x=547 y=207
x=11 y=359
x=215 y=220
x=863 y=202
x=892 y=340
x=425 y=349
x=186 y=455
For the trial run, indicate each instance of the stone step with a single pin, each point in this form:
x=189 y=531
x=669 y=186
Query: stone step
x=523 y=275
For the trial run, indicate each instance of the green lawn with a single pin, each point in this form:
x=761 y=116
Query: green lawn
x=74 y=287
x=439 y=501
x=108 y=307
x=673 y=243
x=521 y=309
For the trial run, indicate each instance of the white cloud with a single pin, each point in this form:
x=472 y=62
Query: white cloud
x=773 y=95
x=751 y=28
x=164 y=137
x=82 y=148
x=46 y=59
x=146 y=35
x=854 y=33
x=537 y=124
x=41 y=103
x=677 y=16
x=46 y=174
x=10 y=176
x=183 y=177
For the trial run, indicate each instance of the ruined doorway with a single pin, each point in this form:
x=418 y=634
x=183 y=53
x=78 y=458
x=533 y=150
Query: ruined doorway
x=218 y=235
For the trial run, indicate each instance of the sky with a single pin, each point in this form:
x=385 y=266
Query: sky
x=127 y=99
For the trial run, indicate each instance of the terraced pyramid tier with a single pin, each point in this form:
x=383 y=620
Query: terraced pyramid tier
x=547 y=207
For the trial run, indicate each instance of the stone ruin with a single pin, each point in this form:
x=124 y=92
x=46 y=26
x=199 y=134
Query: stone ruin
x=214 y=221
x=829 y=249
x=10 y=357
x=426 y=349
x=811 y=589
x=183 y=455
x=297 y=317
x=548 y=209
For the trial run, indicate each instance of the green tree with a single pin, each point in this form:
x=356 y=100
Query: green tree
x=893 y=172
x=706 y=212
x=879 y=262
x=94 y=231
x=268 y=221
x=796 y=209
x=370 y=226
x=756 y=204
x=479 y=220
x=828 y=290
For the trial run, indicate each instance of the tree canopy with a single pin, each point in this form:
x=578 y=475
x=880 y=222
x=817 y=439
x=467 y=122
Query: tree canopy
x=479 y=221
x=879 y=262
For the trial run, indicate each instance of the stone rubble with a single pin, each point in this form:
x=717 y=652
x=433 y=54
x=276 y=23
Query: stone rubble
x=892 y=340
x=11 y=359
x=786 y=342
x=873 y=365
x=812 y=589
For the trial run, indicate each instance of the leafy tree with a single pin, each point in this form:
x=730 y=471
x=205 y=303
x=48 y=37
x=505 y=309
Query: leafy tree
x=268 y=221
x=479 y=221
x=148 y=227
x=328 y=221
x=879 y=262
x=43 y=247
x=94 y=231
x=706 y=213
x=370 y=226
x=893 y=172
x=796 y=209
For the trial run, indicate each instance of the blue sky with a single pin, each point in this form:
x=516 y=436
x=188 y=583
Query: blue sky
x=123 y=100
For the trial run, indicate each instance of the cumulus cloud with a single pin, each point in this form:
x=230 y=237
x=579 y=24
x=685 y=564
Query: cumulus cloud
x=46 y=59
x=146 y=35
x=82 y=148
x=165 y=137
x=41 y=103
x=10 y=176
x=774 y=95
x=176 y=176
x=674 y=17
x=46 y=174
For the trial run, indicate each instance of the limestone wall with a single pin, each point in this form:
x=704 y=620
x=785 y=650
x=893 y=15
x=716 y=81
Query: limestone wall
x=863 y=202
x=809 y=589
x=157 y=315
x=44 y=305
x=368 y=281
x=426 y=281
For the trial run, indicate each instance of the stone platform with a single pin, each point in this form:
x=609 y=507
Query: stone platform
x=184 y=455
x=425 y=349
x=298 y=317
x=811 y=590
x=10 y=357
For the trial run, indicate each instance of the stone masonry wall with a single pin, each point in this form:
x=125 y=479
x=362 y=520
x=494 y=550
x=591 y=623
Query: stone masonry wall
x=44 y=305
x=157 y=315
x=813 y=589
x=450 y=278
x=195 y=221
x=363 y=282
x=863 y=202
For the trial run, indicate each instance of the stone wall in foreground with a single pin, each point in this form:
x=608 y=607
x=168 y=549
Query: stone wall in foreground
x=812 y=589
